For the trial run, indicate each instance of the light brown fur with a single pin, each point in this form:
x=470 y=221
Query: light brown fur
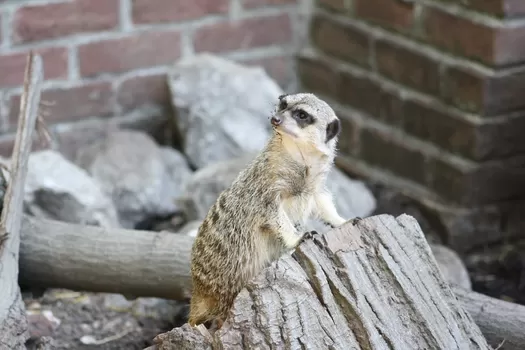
x=253 y=222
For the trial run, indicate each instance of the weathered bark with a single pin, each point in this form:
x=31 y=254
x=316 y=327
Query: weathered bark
x=502 y=323
x=13 y=322
x=90 y=258
x=375 y=285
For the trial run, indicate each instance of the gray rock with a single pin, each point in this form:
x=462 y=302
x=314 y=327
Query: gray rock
x=203 y=188
x=142 y=179
x=57 y=189
x=451 y=265
x=190 y=228
x=39 y=326
x=222 y=107
x=45 y=343
x=176 y=165
x=352 y=198
x=156 y=308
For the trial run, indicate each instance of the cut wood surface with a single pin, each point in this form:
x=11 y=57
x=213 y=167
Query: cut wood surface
x=13 y=323
x=502 y=323
x=90 y=258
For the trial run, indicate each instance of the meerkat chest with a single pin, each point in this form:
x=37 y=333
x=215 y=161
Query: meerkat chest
x=300 y=187
x=298 y=208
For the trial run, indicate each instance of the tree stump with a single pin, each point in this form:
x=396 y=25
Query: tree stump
x=372 y=285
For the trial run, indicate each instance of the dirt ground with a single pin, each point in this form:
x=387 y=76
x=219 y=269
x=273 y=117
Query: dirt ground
x=88 y=321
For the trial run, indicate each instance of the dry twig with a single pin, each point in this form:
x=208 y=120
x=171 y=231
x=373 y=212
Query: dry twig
x=13 y=323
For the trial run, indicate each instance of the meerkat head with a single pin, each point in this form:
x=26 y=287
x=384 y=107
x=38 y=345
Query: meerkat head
x=306 y=119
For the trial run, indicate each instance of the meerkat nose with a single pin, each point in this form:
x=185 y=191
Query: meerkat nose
x=276 y=120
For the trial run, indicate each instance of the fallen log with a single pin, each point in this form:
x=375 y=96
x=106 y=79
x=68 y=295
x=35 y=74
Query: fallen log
x=156 y=264
x=502 y=323
x=13 y=322
x=89 y=258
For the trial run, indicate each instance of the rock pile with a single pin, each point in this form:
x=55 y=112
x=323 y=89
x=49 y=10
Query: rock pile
x=125 y=178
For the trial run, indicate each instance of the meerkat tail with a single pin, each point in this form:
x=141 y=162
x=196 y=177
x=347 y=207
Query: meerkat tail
x=200 y=310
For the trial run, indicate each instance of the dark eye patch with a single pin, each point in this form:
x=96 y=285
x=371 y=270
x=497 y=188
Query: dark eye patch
x=303 y=118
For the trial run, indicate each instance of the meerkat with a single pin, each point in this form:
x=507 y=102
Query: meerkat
x=255 y=220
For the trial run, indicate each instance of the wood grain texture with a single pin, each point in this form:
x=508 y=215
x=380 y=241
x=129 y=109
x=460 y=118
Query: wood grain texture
x=375 y=285
x=90 y=258
x=13 y=323
x=502 y=323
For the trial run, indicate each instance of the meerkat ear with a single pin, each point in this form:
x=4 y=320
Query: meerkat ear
x=282 y=102
x=333 y=129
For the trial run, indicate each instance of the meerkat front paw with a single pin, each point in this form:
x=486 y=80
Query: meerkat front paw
x=308 y=235
x=355 y=220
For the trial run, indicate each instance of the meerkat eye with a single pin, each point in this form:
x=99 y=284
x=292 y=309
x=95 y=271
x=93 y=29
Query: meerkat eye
x=301 y=114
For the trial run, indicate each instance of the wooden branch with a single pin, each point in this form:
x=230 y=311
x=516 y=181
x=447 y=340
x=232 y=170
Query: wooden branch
x=13 y=323
x=371 y=286
x=501 y=322
x=90 y=258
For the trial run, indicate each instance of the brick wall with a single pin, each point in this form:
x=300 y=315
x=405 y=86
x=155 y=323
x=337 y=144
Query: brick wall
x=105 y=58
x=432 y=97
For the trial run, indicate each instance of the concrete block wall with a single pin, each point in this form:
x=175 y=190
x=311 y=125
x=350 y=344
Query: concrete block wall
x=105 y=58
x=432 y=97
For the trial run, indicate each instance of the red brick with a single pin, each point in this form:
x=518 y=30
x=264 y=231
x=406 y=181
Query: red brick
x=482 y=93
x=245 y=34
x=507 y=51
x=391 y=107
x=12 y=66
x=158 y=11
x=359 y=92
x=337 y=5
x=278 y=68
x=69 y=104
x=406 y=66
x=260 y=3
x=492 y=45
x=381 y=149
x=140 y=90
x=341 y=41
x=349 y=138
x=7 y=143
x=318 y=76
x=124 y=54
x=454 y=131
x=470 y=184
x=459 y=34
x=432 y=124
x=394 y=14
x=503 y=8
x=45 y=21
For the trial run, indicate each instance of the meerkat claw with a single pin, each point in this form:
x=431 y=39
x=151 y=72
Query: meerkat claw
x=355 y=220
x=309 y=235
